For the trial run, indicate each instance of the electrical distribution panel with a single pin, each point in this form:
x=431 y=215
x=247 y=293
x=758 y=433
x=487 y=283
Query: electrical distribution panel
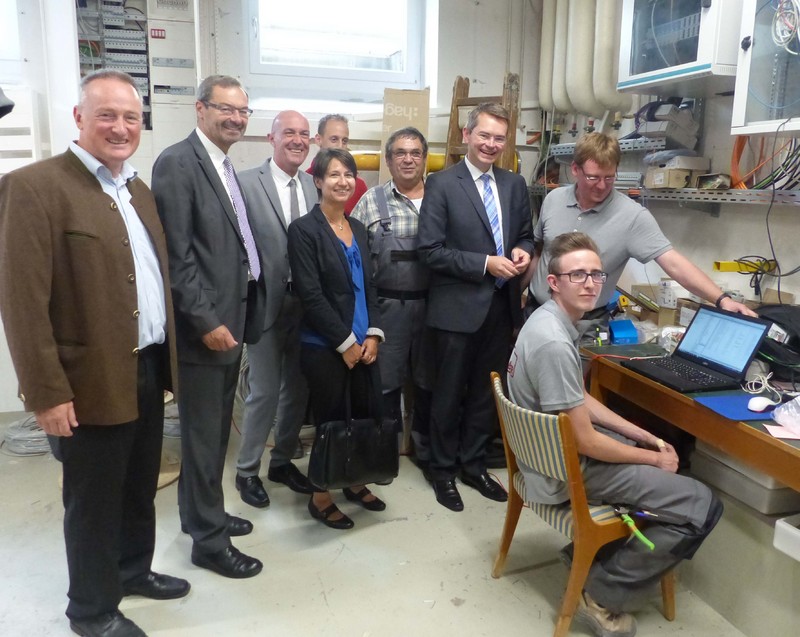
x=679 y=47
x=112 y=34
x=767 y=97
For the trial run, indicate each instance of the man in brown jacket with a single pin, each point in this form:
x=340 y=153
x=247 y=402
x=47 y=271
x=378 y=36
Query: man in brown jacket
x=86 y=305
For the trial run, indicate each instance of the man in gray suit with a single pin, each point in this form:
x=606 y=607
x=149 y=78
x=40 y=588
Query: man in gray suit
x=277 y=386
x=218 y=295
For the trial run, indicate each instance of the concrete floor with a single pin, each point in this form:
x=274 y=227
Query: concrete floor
x=415 y=569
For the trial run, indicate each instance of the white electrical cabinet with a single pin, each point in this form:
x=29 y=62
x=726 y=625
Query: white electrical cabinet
x=679 y=47
x=767 y=96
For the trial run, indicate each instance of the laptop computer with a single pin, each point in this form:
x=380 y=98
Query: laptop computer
x=713 y=354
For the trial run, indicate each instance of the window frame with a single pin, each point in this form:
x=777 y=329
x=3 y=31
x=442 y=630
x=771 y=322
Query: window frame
x=272 y=80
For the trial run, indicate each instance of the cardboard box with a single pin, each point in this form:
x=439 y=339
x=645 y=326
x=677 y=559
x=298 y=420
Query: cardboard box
x=688 y=163
x=770 y=296
x=401 y=108
x=657 y=178
x=663 y=318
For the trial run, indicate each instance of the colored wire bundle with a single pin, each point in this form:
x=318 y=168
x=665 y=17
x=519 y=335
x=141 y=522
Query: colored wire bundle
x=785 y=23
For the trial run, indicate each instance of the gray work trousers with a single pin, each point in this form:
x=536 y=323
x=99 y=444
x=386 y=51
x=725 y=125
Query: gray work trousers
x=625 y=574
x=278 y=391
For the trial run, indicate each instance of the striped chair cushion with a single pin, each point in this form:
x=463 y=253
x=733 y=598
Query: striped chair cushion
x=559 y=516
x=535 y=439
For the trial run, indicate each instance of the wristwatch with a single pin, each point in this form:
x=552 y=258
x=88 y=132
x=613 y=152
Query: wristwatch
x=721 y=298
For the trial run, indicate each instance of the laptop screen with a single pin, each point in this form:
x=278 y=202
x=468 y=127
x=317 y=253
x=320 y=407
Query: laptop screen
x=724 y=341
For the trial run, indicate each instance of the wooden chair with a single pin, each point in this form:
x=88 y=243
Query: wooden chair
x=546 y=443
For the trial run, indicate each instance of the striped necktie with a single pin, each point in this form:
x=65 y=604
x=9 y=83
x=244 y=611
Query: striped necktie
x=241 y=217
x=491 y=211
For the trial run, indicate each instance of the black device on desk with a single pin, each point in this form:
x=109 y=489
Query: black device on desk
x=713 y=354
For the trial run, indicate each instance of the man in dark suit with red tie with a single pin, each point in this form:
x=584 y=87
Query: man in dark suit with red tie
x=475 y=235
x=219 y=302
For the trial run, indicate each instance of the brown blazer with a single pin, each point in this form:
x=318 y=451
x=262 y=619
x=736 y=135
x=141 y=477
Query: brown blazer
x=67 y=289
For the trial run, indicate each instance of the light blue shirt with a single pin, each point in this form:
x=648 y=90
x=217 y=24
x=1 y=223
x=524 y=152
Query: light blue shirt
x=476 y=175
x=149 y=284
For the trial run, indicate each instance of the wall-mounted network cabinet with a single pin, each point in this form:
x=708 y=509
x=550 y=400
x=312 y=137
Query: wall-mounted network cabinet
x=679 y=47
x=112 y=34
x=767 y=97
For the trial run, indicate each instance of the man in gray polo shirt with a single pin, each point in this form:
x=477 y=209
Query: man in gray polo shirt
x=621 y=462
x=621 y=228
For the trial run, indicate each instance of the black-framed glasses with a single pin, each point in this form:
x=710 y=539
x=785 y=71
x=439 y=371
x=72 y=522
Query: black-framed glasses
x=227 y=110
x=580 y=276
x=593 y=179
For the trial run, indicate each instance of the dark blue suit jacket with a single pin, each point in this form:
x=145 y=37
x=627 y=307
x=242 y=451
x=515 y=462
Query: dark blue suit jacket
x=455 y=237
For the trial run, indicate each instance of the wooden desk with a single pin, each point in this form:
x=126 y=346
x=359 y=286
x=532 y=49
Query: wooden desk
x=746 y=441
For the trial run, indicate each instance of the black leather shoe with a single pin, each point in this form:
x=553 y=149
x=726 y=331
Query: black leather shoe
x=487 y=487
x=323 y=516
x=108 y=625
x=252 y=491
x=447 y=494
x=156 y=586
x=236 y=526
x=229 y=562
x=370 y=505
x=292 y=477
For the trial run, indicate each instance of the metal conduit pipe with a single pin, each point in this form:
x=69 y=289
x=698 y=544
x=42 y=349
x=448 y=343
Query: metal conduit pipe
x=579 y=58
x=561 y=99
x=608 y=21
x=546 y=51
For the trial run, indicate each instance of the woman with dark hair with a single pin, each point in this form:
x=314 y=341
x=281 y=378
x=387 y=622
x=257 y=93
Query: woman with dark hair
x=329 y=260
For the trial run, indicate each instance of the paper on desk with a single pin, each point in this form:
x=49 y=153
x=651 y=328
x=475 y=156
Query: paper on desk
x=782 y=432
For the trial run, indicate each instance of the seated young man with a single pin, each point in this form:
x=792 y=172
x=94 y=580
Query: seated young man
x=621 y=463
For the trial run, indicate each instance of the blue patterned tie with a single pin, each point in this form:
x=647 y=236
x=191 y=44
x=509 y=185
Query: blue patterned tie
x=241 y=217
x=494 y=219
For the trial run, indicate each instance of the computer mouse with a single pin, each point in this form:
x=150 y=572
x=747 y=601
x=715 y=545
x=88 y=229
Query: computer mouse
x=760 y=403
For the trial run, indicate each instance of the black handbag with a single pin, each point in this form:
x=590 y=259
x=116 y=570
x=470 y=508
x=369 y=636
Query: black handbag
x=353 y=451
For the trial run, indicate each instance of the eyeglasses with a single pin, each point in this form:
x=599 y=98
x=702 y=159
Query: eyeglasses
x=228 y=110
x=593 y=179
x=499 y=140
x=580 y=276
x=415 y=154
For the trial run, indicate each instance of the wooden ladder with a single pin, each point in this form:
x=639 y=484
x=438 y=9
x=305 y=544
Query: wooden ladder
x=455 y=138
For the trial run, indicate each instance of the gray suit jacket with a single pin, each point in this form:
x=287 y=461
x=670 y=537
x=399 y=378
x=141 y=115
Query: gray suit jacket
x=207 y=257
x=268 y=223
x=455 y=237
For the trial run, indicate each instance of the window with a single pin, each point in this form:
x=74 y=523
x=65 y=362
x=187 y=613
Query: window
x=350 y=50
x=10 y=57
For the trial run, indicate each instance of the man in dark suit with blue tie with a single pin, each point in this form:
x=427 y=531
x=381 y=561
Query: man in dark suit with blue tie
x=218 y=294
x=475 y=235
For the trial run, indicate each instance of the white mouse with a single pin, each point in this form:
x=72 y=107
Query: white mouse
x=759 y=403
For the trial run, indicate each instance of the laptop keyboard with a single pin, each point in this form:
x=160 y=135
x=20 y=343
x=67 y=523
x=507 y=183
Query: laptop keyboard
x=685 y=371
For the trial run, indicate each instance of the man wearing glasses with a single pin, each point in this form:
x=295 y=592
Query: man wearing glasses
x=219 y=304
x=390 y=212
x=621 y=462
x=622 y=229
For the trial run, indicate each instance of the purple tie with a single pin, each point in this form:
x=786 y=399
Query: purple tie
x=241 y=216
